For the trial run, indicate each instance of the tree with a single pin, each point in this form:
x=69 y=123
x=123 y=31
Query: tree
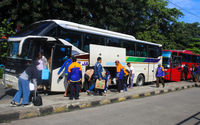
x=6 y=28
x=149 y=20
x=194 y=45
x=5 y=31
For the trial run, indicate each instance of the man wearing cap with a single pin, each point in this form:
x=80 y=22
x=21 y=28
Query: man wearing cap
x=66 y=66
x=120 y=72
x=74 y=78
x=160 y=75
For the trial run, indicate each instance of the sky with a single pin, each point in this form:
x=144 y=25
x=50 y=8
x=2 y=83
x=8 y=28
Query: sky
x=187 y=7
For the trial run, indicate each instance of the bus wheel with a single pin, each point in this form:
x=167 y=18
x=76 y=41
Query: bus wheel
x=140 y=80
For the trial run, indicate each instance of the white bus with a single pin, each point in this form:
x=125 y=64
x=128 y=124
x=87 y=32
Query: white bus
x=87 y=43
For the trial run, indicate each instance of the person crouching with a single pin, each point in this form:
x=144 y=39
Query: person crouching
x=74 y=78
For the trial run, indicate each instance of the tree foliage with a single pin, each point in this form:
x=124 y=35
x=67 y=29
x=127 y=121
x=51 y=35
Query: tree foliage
x=149 y=20
x=5 y=31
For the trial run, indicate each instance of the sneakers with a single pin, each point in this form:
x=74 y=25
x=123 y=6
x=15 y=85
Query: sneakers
x=88 y=92
x=14 y=104
x=27 y=105
x=103 y=94
x=121 y=91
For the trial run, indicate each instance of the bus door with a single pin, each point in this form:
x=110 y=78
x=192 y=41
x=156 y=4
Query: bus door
x=58 y=57
x=176 y=69
x=151 y=72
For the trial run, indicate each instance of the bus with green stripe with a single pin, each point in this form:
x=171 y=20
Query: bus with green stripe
x=87 y=43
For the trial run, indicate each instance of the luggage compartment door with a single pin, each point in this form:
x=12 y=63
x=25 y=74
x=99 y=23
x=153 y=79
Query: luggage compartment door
x=108 y=54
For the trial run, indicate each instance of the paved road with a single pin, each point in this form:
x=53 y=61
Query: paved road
x=167 y=109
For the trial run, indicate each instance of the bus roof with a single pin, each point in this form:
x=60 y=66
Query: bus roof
x=98 y=31
x=183 y=51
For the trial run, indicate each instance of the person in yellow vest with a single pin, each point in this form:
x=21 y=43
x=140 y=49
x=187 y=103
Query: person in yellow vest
x=120 y=73
x=74 y=78
x=160 y=75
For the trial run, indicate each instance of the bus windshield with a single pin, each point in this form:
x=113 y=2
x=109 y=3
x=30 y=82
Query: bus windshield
x=34 y=29
x=13 y=49
x=166 y=59
x=166 y=62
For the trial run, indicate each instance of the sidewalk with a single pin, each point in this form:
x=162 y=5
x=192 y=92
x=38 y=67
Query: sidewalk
x=58 y=103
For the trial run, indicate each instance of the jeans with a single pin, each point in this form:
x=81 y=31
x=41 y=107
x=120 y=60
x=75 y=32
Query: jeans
x=125 y=83
x=131 y=80
x=74 y=86
x=107 y=83
x=92 y=87
x=24 y=90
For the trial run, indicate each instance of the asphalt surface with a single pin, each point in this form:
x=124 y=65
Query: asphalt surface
x=182 y=107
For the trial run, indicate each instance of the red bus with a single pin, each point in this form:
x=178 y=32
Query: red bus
x=175 y=60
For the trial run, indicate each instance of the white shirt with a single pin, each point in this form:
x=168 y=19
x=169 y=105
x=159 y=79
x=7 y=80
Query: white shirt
x=42 y=63
x=131 y=68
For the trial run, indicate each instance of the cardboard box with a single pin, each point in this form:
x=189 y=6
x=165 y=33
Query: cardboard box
x=100 y=84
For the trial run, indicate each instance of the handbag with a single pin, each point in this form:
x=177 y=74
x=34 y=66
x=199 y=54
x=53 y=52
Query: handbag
x=45 y=74
x=37 y=99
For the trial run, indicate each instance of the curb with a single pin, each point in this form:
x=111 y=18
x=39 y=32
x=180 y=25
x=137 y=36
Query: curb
x=58 y=108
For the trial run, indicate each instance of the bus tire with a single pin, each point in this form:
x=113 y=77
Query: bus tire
x=140 y=80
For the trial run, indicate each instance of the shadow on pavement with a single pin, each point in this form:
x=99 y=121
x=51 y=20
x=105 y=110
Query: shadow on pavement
x=195 y=117
x=6 y=93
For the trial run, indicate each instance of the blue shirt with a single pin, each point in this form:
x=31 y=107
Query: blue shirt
x=66 y=65
x=160 y=72
x=197 y=69
x=98 y=70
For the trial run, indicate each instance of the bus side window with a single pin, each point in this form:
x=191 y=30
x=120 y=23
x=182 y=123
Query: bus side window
x=198 y=59
x=153 y=51
x=71 y=36
x=130 y=47
x=183 y=57
x=194 y=59
x=174 y=54
x=113 y=42
x=92 y=39
x=141 y=50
